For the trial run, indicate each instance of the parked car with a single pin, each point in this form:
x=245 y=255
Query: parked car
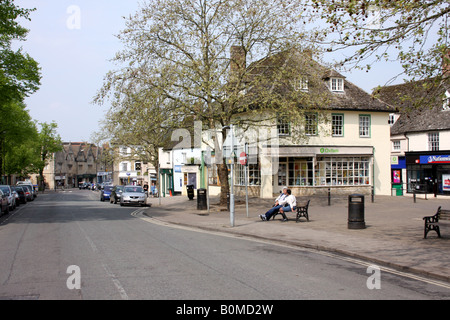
x=133 y=195
x=83 y=185
x=28 y=189
x=31 y=187
x=11 y=198
x=21 y=193
x=16 y=195
x=116 y=193
x=4 y=208
x=105 y=193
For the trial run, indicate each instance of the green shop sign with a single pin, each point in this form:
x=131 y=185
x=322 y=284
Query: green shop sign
x=329 y=150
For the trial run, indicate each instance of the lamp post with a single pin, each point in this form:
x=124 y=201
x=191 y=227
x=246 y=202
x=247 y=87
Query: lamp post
x=232 y=156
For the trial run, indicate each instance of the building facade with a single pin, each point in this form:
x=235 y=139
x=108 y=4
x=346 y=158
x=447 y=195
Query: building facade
x=346 y=147
x=76 y=163
x=420 y=137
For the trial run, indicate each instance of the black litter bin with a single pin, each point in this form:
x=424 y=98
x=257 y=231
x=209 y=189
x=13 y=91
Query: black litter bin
x=201 y=199
x=356 y=211
x=190 y=191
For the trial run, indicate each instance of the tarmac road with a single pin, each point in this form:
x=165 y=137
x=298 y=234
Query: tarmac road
x=122 y=253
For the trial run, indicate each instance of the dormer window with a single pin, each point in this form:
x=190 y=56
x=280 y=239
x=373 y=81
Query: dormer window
x=337 y=84
x=301 y=84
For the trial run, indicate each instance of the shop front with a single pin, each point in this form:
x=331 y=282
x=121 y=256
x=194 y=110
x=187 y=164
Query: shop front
x=312 y=170
x=398 y=171
x=428 y=172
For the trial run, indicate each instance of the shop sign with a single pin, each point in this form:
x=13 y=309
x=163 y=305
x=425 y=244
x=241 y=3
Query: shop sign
x=446 y=182
x=329 y=150
x=394 y=159
x=435 y=159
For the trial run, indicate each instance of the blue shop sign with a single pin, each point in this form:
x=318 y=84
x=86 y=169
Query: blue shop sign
x=435 y=159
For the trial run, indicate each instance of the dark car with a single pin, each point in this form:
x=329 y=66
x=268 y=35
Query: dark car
x=106 y=193
x=21 y=193
x=116 y=193
x=4 y=207
x=28 y=192
x=83 y=185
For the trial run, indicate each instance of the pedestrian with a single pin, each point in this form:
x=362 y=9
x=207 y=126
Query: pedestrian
x=278 y=204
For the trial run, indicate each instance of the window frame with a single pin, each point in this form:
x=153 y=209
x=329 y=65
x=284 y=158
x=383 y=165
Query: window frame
x=333 y=124
x=283 y=125
x=337 y=84
x=309 y=124
x=433 y=141
x=369 y=125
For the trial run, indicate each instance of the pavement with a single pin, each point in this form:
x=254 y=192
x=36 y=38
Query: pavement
x=392 y=238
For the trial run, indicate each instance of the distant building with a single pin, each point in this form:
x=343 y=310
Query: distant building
x=78 y=162
x=130 y=168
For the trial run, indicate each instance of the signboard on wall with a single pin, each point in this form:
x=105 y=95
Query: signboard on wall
x=435 y=159
x=446 y=182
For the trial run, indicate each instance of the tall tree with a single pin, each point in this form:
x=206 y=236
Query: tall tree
x=47 y=144
x=18 y=137
x=413 y=33
x=179 y=51
x=19 y=73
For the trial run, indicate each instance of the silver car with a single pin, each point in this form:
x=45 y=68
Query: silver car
x=3 y=203
x=133 y=195
x=11 y=198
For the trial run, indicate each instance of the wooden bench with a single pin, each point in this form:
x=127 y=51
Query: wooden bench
x=302 y=211
x=432 y=222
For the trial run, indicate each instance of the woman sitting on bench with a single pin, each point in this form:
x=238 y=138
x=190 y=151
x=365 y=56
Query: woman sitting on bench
x=288 y=204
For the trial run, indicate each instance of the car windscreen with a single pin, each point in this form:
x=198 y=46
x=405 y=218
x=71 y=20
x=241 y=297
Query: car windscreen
x=108 y=188
x=5 y=190
x=133 y=189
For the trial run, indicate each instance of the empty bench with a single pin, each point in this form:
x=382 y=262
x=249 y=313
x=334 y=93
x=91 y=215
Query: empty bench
x=432 y=222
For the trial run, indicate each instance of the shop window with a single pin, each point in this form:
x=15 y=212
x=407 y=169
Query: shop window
x=342 y=171
x=300 y=172
x=254 y=175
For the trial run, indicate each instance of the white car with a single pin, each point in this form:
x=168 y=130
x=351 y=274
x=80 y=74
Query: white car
x=133 y=195
x=11 y=197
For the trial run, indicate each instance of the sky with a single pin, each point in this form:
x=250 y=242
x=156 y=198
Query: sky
x=73 y=41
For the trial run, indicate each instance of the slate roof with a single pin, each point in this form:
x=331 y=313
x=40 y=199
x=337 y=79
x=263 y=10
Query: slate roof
x=352 y=98
x=420 y=105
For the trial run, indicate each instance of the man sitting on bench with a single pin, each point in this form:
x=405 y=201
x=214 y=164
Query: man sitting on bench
x=276 y=207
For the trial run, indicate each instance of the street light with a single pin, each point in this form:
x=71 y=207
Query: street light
x=232 y=175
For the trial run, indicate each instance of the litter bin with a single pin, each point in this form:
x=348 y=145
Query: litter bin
x=356 y=211
x=190 y=191
x=201 y=199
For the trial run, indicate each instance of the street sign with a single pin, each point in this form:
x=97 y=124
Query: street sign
x=243 y=158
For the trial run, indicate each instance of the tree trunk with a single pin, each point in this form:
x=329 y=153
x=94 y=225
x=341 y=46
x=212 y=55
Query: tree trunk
x=224 y=185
